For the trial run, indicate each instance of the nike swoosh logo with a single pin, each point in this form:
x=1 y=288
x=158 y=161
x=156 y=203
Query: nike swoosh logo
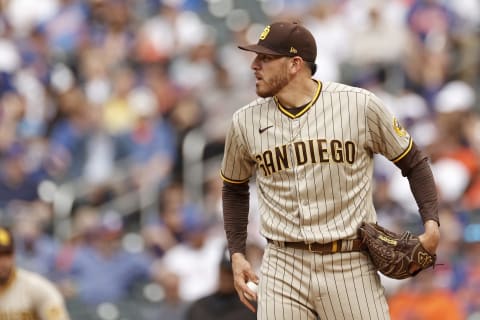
x=262 y=130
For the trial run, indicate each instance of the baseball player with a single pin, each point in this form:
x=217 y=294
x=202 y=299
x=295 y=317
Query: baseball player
x=309 y=144
x=25 y=295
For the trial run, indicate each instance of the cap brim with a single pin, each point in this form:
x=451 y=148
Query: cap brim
x=6 y=251
x=259 y=49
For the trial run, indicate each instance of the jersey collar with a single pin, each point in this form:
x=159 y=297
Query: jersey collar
x=305 y=108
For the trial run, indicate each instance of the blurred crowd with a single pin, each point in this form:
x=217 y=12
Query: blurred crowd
x=112 y=120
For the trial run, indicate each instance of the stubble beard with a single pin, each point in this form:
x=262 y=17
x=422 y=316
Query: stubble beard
x=5 y=276
x=272 y=87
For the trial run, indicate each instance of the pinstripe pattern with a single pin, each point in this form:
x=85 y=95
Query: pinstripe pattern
x=298 y=284
x=313 y=173
x=30 y=296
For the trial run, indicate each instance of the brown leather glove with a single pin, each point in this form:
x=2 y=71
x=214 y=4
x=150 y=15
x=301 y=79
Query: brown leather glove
x=397 y=256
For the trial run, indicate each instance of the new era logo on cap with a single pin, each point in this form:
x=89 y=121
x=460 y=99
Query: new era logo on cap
x=285 y=39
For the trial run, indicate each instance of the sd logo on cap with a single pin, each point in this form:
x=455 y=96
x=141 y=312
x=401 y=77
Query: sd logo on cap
x=6 y=241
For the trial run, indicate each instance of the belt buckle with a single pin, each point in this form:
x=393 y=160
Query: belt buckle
x=311 y=250
x=334 y=248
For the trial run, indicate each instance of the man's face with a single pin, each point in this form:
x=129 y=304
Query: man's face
x=271 y=74
x=7 y=262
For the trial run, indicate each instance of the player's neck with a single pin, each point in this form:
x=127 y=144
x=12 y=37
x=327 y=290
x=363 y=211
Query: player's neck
x=297 y=93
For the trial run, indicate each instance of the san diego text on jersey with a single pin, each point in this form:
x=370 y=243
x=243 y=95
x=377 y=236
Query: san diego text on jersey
x=302 y=152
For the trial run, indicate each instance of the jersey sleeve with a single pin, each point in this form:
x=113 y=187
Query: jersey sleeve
x=237 y=165
x=386 y=135
x=49 y=302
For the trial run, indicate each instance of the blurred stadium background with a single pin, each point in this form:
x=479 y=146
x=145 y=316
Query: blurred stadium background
x=112 y=119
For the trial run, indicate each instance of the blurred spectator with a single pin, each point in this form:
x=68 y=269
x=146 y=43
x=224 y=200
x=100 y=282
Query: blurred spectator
x=66 y=29
x=36 y=56
x=452 y=236
x=18 y=182
x=216 y=113
x=423 y=299
x=36 y=109
x=151 y=143
x=471 y=129
x=113 y=36
x=223 y=304
x=9 y=62
x=172 y=306
x=23 y=19
x=195 y=260
x=118 y=115
x=69 y=135
x=213 y=196
x=101 y=152
x=195 y=70
x=467 y=270
x=452 y=179
x=167 y=227
x=104 y=271
x=425 y=18
x=167 y=93
x=85 y=223
x=454 y=104
x=428 y=63
x=95 y=77
x=11 y=113
x=465 y=39
x=371 y=45
x=452 y=150
x=170 y=32
x=326 y=23
x=413 y=112
x=156 y=37
x=186 y=116
x=35 y=249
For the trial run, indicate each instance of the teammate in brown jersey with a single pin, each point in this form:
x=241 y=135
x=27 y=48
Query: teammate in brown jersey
x=25 y=295
x=310 y=145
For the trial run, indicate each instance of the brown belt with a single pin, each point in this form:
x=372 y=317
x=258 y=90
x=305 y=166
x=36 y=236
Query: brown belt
x=324 y=248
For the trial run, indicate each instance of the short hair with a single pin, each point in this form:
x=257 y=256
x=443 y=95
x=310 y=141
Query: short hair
x=312 y=66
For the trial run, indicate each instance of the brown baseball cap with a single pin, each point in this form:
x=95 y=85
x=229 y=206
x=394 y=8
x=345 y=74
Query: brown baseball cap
x=6 y=241
x=285 y=39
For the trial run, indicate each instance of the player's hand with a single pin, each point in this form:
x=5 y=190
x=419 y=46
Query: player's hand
x=242 y=273
x=431 y=237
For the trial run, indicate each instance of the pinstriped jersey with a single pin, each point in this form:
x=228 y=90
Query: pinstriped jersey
x=29 y=296
x=313 y=169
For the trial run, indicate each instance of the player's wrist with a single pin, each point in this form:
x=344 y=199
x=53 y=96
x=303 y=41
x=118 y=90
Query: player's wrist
x=431 y=238
x=236 y=256
x=432 y=228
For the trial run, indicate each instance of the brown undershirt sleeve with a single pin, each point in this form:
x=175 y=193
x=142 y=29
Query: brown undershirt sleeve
x=416 y=168
x=236 y=205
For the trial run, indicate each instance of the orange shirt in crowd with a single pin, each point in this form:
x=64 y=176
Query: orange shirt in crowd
x=437 y=304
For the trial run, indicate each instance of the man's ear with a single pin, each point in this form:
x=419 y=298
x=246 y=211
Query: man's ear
x=296 y=64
